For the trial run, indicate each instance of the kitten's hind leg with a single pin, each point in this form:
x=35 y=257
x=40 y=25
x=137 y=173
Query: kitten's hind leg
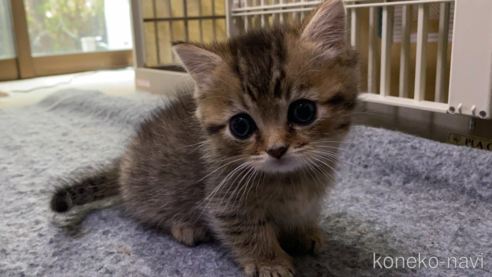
x=190 y=234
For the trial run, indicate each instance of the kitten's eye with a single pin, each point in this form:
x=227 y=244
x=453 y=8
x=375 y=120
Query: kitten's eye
x=242 y=126
x=302 y=112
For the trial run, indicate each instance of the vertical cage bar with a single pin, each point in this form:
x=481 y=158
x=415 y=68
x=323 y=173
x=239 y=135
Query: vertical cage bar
x=213 y=21
x=387 y=39
x=355 y=29
x=158 y=55
x=251 y=18
x=263 y=16
x=171 y=35
x=301 y=14
x=230 y=27
x=240 y=22
x=348 y=25
x=406 y=15
x=248 y=19
x=200 y=13
x=373 y=50
x=296 y=15
x=185 y=15
x=283 y=16
x=139 y=53
x=276 y=16
x=258 y=18
x=421 y=60
x=442 y=53
x=245 y=4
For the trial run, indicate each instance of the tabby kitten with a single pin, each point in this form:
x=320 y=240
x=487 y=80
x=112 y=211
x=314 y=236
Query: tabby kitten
x=247 y=157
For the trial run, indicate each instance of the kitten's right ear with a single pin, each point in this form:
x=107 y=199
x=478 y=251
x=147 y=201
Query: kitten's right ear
x=326 y=27
x=200 y=63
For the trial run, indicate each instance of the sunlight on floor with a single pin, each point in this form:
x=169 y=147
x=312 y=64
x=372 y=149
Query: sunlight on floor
x=113 y=82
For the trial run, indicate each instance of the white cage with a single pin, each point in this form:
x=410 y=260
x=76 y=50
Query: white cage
x=421 y=60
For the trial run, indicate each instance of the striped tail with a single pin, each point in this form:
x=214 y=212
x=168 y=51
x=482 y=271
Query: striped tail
x=86 y=189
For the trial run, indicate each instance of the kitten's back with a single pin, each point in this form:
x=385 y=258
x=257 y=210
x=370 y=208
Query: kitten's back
x=162 y=170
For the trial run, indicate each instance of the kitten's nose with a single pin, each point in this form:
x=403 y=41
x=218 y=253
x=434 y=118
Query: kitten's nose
x=277 y=151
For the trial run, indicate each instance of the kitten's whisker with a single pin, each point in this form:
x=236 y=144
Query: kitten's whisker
x=230 y=174
x=329 y=159
x=328 y=143
x=200 y=143
x=223 y=182
x=246 y=183
x=241 y=157
x=231 y=184
x=314 y=175
x=198 y=147
x=334 y=147
x=218 y=187
x=256 y=173
x=314 y=167
x=334 y=157
x=239 y=186
x=328 y=153
x=327 y=165
x=262 y=177
x=317 y=169
x=332 y=178
x=334 y=141
x=333 y=160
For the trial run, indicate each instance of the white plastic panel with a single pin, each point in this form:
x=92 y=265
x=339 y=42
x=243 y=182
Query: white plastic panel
x=471 y=63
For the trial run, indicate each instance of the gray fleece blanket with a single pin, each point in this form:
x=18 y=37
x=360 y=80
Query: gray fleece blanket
x=403 y=206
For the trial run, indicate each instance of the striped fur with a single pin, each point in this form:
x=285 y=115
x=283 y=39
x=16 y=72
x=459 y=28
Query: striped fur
x=184 y=171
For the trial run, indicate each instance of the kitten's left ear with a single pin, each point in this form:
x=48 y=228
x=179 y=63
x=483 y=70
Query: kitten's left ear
x=327 y=25
x=200 y=63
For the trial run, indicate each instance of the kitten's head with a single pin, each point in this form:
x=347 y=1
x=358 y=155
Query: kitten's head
x=278 y=99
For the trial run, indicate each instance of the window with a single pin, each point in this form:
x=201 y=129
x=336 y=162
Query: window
x=49 y=37
x=78 y=26
x=7 y=48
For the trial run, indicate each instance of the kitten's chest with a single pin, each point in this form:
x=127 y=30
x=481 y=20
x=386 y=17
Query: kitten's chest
x=295 y=209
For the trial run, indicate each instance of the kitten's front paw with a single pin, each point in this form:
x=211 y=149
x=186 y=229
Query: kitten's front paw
x=312 y=241
x=275 y=268
x=189 y=236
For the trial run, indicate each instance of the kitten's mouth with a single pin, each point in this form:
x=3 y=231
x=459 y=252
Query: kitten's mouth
x=287 y=163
